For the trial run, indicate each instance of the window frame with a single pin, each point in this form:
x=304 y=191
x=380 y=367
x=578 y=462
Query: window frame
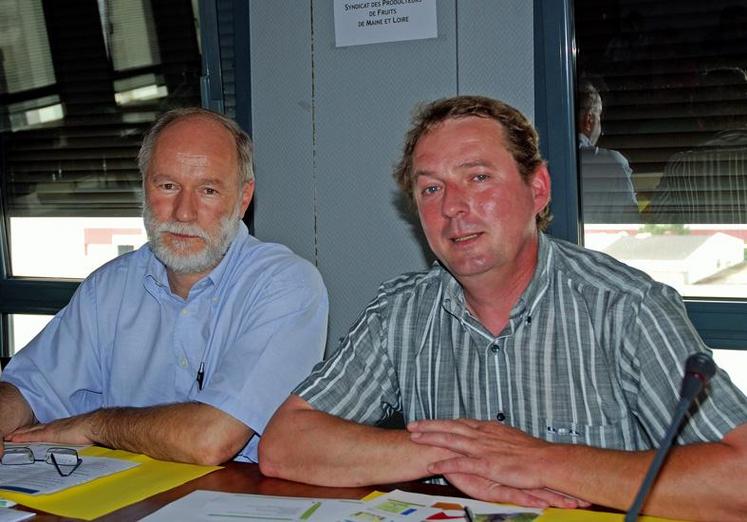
x=720 y=322
x=47 y=296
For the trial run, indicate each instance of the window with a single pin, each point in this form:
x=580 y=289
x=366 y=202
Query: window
x=661 y=129
x=23 y=328
x=80 y=83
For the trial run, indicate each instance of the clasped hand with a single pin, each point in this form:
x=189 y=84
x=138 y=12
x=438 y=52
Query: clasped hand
x=498 y=463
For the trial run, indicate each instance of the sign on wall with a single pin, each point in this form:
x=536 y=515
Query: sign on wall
x=376 y=21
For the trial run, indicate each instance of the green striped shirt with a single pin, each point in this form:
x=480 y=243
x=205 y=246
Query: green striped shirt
x=592 y=354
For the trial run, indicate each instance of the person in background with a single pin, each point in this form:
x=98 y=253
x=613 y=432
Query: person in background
x=607 y=193
x=183 y=349
x=530 y=370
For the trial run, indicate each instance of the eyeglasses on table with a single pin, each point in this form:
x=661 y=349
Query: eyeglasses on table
x=64 y=460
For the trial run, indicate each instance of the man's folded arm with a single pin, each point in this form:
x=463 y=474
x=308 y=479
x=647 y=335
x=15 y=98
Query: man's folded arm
x=699 y=481
x=185 y=432
x=308 y=445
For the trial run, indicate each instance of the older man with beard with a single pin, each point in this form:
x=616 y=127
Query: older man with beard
x=184 y=348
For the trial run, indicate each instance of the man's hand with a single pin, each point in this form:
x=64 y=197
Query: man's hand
x=15 y=412
x=71 y=430
x=491 y=491
x=499 y=463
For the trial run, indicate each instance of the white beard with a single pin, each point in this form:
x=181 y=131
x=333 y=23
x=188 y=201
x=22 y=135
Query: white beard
x=173 y=255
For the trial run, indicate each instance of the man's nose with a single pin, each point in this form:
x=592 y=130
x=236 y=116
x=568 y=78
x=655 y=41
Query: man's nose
x=185 y=208
x=454 y=202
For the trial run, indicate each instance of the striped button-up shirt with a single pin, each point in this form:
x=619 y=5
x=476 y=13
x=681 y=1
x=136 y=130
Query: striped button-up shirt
x=593 y=353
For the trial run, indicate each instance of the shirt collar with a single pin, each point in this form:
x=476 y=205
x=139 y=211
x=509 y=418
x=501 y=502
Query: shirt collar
x=539 y=282
x=584 y=142
x=453 y=300
x=156 y=270
x=217 y=273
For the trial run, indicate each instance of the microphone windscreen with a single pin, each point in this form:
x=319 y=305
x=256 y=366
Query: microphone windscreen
x=701 y=363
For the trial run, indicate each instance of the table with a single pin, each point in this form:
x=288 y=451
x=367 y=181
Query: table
x=239 y=477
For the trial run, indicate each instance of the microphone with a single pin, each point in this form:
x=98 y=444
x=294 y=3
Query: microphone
x=699 y=368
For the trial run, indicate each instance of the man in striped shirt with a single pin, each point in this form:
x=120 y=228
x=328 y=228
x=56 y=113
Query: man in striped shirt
x=562 y=365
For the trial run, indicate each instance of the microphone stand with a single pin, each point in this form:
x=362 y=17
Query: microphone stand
x=698 y=369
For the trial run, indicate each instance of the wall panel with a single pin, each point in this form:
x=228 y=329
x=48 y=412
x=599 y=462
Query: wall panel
x=329 y=124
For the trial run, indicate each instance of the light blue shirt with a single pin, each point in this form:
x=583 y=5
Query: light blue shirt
x=258 y=321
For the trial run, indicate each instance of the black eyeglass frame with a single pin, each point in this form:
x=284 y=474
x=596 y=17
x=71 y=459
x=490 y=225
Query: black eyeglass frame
x=49 y=459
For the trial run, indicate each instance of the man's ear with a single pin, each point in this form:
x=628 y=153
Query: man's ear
x=540 y=184
x=247 y=192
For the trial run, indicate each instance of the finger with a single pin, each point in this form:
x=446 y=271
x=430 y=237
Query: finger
x=457 y=465
x=472 y=423
x=32 y=427
x=475 y=467
x=461 y=426
x=30 y=436
x=557 y=499
x=26 y=430
x=483 y=489
x=579 y=501
x=451 y=441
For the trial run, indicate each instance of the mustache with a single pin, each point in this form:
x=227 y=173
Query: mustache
x=180 y=228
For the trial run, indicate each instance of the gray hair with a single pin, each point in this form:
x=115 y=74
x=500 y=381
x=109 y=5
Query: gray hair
x=588 y=98
x=242 y=140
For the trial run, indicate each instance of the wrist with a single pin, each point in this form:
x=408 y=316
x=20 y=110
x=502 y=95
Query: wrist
x=93 y=423
x=549 y=463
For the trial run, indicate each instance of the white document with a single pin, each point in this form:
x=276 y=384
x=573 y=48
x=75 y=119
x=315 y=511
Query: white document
x=359 y=22
x=390 y=507
x=41 y=478
x=14 y=515
x=216 y=505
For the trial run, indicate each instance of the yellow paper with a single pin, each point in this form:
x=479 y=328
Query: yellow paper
x=583 y=515
x=106 y=494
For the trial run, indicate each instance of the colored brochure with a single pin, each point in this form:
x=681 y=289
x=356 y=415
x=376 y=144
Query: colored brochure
x=402 y=505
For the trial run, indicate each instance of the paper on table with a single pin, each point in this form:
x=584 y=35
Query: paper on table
x=394 y=507
x=217 y=505
x=115 y=491
x=41 y=478
x=14 y=515
x=405 y=498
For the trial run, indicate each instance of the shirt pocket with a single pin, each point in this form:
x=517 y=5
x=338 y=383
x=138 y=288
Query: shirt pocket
x=611 y=435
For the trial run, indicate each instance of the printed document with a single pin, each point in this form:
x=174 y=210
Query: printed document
x=41 y=478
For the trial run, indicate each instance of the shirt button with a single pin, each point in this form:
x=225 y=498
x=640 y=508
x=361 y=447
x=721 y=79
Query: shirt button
x=185 y=311
x=183 y=362
x=500 y=417
x=495 y=348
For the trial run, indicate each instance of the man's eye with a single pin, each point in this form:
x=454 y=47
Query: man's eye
x=210 y=191
x=168 y=186
x=480 y=177
x=430 y=189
